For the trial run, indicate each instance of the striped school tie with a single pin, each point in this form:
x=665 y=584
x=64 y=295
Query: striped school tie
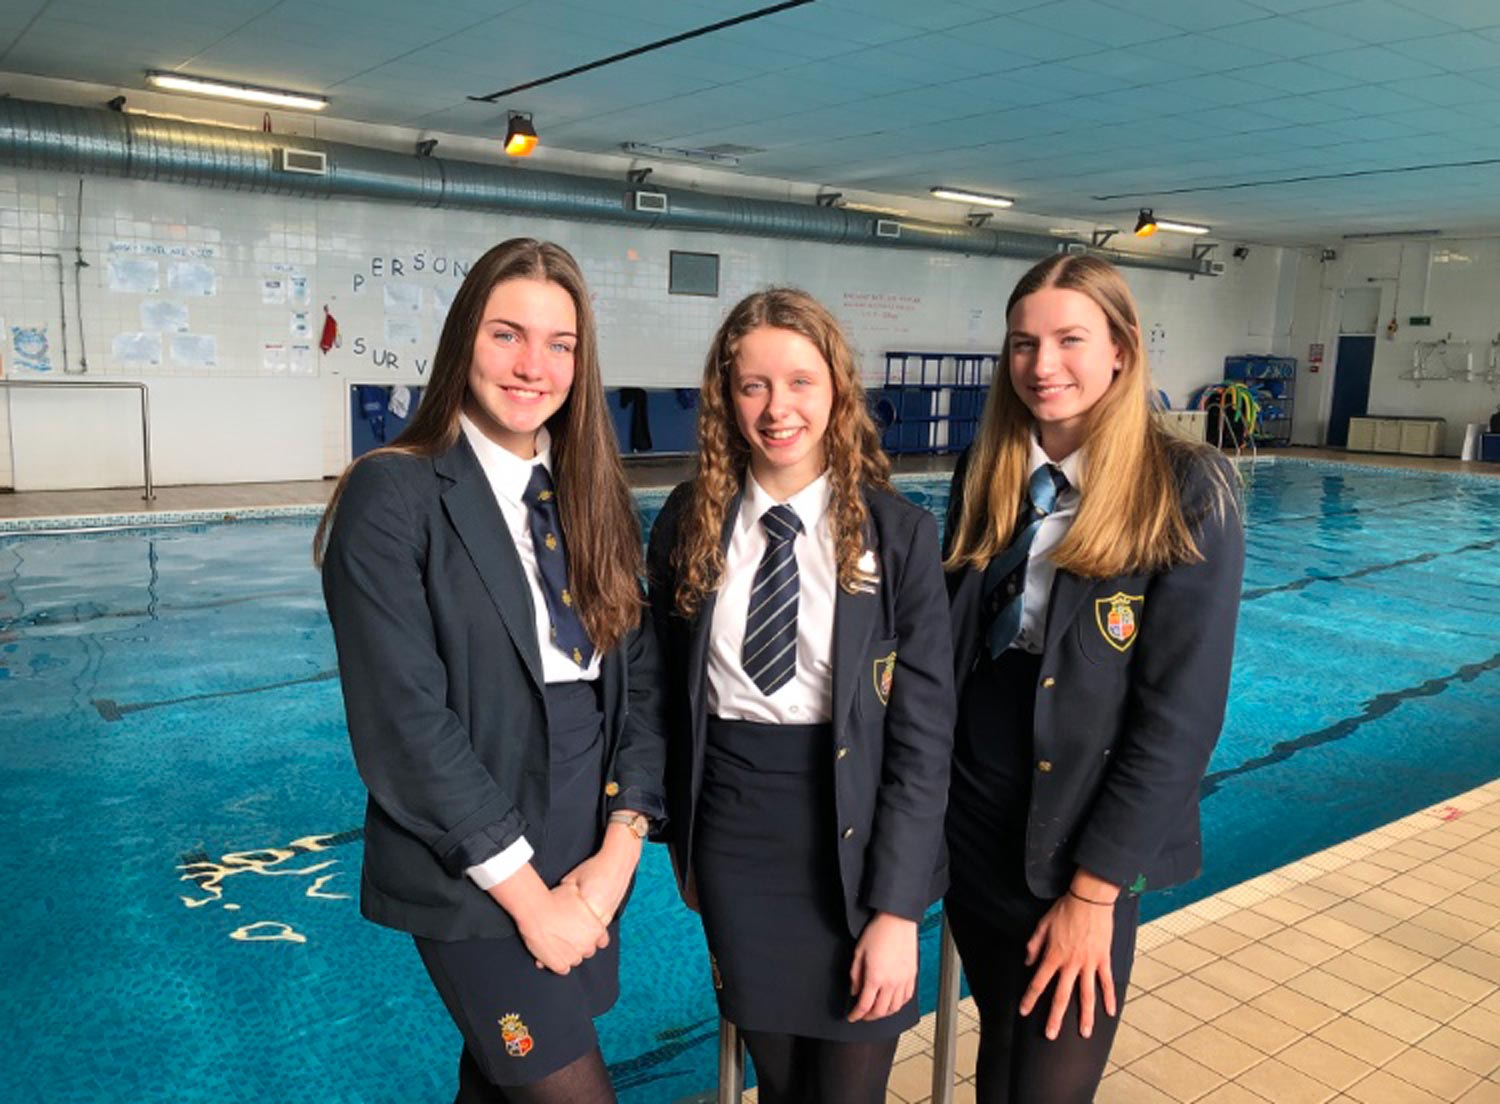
x=545 y=523
x=769 y=654
x=1005 y=577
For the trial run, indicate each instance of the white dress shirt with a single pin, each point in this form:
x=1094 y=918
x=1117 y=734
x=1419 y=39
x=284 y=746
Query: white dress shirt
x=808 y=697
x=508 y=476
x=1040 y=570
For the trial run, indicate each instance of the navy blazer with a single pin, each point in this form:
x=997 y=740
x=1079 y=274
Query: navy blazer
x=892 y=742
x=443 y=689
x=1133 y=684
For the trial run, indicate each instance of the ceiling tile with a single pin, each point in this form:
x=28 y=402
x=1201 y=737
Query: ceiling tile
x=1452 y=52
x=1376 y=63
x=1193 y=15
x=1295 y=77
x=1286 y=38
x=1101 y=23
x=1376 y=21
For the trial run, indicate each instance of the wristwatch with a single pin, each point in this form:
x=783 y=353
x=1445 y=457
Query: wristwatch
x=638 y=823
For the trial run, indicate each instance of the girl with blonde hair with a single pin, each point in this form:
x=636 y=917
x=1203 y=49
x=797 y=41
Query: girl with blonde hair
x=1095 y=565
x=800 y=606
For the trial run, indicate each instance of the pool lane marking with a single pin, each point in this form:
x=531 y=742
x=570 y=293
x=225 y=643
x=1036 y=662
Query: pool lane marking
x=112 y=710
x=1371 y=569
x=1375 y=508
x=44 y=618
x=1379 y=706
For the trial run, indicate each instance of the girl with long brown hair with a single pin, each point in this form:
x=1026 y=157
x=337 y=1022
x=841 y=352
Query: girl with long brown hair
x=1096 y=564
x=800 y=606
x=482 y=575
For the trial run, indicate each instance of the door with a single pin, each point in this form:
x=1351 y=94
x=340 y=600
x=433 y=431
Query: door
x=1351 y=386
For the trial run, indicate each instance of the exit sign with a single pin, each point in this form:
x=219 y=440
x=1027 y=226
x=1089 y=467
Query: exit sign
x=1419 y=320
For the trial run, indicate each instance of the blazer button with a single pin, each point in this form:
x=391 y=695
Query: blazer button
x=1048 y=683
x=843 y=751
x=1045 y=766
x=611 y=789
x=848 y=833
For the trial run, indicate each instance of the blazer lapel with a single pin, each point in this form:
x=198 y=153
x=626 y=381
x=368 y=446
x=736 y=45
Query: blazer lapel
x=1069 y=592
x=475 y=515
x=702 y=629
x=854 y=617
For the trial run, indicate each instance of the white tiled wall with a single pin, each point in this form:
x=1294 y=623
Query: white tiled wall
x=386 y=274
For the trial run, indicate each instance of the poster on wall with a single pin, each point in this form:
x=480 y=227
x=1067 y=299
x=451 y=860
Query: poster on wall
x=403 y=298
x=195 y=350
x=136 y=350
x=300 y=361
x=134 y=275
x=297 y=289
x=300 y=326
x=192 y=278
x=273 y=290
x=158 y=315
x=403 y=331
x=31 y=350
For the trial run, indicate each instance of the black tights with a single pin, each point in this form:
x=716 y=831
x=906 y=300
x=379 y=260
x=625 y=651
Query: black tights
x=1017 y=1063
x=794 y=1069
x=582 y=1081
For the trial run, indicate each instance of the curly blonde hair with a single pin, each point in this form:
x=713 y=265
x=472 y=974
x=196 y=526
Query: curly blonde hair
x=851 y=444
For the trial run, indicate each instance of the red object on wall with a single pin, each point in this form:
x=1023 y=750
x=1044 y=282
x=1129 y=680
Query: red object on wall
x=330 y=331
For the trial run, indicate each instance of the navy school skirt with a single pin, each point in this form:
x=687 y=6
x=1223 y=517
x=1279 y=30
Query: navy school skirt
x=519 y=1023
x=765 y=858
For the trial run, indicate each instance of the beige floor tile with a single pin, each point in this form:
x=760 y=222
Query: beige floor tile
x=1297 y=943
x=1394 y=904
x=1489 y=941
x=966 y=1052
x=1448 y=923
x=1393 y=956
x=1384 y=1088
x=1234 y=979
x=1175 y=1074
x=1448 y=978
x=1283 y=910
x=1220 y=1051
x=1268 y=962
x=1231 y=1093
x=1130 y=1043
x=1265 y=1033
x=1325 y=1063
x=1393 y=861
x=1418 y=849
x=1252 y=924
x=1362 y=870
x=1362 y=916
x=1474 y=1055
x=1361 y=1040
x=1339 y=885
x=1362 y=972
x=963 y=1093
x=1219 y=938
x=1314 y=898
x=1182 y=955
x=1395 y=1019
x=1443 y=877
x=1158 y=1019
x=1478 y=1022
x=1486 y=891
x=1333 y=931
x=1427 y=1071
x=1473 y=961
x=1123 y=1087
x=1486 y=1092
x=911 y=1079
x=1297 y=1009
x=1195 y=998
x=1426 y=1000
x=1277 y=1081
x=1148 y=972
x=1333 y=991
x=1422 y=940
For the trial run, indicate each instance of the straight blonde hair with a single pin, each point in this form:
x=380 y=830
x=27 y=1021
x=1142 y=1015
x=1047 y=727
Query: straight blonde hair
x=1131 y=516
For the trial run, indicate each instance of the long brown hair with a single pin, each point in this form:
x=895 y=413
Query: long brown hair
x=851 y=443
x=1130 y=515
x=599 y=519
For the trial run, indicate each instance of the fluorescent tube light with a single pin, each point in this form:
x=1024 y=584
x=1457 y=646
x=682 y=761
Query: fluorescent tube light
x=958 y=195
x=245 y=93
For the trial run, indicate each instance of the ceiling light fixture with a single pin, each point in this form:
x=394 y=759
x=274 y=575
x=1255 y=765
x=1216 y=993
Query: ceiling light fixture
x=520 y=135
x=1146 y=225
x=245 y=93
x=959 y=195
x=677 y=153
x=1149 y=224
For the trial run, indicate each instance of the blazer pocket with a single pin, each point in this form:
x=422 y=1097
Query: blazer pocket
x=1109 y=626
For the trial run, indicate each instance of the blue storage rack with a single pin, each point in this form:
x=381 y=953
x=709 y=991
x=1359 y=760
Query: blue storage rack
x=1273 y=379
x=372 y=423
x=931 y=402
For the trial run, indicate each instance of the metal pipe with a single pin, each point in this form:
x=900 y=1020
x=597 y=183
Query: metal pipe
x=112 y=385
x=731 y=1064
x=945 y=1035
x=60 y=138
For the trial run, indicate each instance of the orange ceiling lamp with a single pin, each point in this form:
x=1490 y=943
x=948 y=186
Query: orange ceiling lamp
x=1145 y=226
x=520 y=135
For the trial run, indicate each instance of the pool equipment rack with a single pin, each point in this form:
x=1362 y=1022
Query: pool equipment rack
x=931 y=402
x=1273 y=382
x=111 y=385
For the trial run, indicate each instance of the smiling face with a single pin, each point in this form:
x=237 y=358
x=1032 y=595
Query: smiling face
x=1062 y=361
x=783 y=393
x=521 y=368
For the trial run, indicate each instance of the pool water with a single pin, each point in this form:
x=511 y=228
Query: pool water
x=181 y=829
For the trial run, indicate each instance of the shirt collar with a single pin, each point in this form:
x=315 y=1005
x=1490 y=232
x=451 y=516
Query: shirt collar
x=507 y=473
x=810 y=503
x=1071 y=464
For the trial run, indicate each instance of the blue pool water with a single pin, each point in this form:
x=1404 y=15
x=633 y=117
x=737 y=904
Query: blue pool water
x=181 y=812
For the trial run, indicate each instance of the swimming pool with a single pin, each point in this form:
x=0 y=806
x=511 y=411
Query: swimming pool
x=181 y=828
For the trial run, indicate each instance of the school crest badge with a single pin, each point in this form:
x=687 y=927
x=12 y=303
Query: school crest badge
x=885 y=672
x=1118 y=618
x=517 y=1037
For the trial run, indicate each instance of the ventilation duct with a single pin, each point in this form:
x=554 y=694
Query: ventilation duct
x=58 y=138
